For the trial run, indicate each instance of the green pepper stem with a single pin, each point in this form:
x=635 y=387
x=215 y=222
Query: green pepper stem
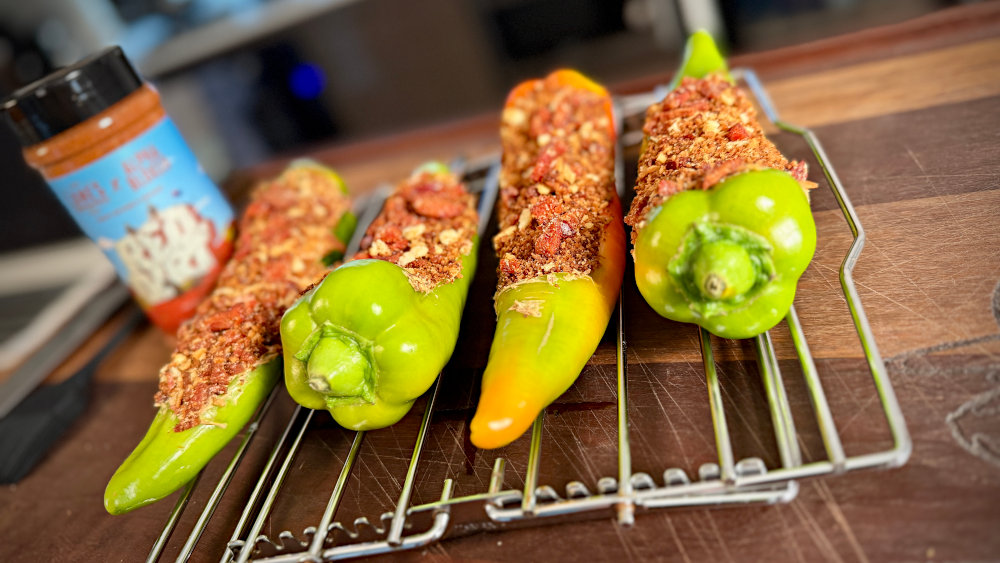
x=714 y=286
x=720 y=266
x=340 y=367
x=723 y=269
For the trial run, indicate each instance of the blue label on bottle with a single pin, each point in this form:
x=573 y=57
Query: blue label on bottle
x=152 y=209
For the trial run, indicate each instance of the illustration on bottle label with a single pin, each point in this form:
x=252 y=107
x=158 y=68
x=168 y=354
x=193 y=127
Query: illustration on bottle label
x=158 y=217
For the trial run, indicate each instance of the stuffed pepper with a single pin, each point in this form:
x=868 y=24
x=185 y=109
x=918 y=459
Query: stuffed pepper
x=561 y=247
x=227 y=356
x=721 y=226
x=375 y=333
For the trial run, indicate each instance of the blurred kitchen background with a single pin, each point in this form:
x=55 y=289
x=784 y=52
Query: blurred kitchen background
x=248 y=79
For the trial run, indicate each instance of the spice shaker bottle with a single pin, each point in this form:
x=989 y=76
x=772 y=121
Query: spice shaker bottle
x=102 y=140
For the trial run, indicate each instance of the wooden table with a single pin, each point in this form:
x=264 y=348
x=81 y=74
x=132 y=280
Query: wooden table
x=910 y=116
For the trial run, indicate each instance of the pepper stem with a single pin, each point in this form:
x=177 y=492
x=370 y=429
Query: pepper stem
x=720 y=266
x=714 y=286
x=723 y=269
x=339 y=367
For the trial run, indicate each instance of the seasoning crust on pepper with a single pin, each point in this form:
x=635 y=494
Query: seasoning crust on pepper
x=426 y=225
x=557 y=181
x=701 y=132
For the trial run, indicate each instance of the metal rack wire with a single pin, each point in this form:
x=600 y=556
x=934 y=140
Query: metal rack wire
x=720 y=482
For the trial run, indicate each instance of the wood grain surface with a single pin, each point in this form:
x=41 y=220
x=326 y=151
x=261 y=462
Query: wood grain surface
x=919 y=154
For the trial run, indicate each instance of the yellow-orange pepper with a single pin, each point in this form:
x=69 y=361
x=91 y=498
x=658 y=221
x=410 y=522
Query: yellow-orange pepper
x=536 y=357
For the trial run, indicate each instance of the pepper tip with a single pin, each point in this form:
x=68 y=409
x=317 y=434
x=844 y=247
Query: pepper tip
x=701 y=58
x=489 y=431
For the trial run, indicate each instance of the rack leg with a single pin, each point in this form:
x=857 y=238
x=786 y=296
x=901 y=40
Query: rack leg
x=777 y=400
x=316 y=547
x=827 y=428
x=529 y=500
x=722 y=440
x=625 y=508
x=265 y=509
x=496 y=477
x=399 y=518
x=175 y=515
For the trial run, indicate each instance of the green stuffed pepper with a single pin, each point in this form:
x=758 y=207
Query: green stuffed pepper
x=722 y=228
x=375 y=333
x=226 y=361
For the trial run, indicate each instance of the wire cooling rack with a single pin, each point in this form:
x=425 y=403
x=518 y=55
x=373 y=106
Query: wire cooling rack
x=722 y=481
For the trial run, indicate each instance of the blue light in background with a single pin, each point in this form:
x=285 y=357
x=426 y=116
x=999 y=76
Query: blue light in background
x=306 y=81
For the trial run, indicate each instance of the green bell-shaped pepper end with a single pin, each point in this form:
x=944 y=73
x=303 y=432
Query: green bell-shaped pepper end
x=165 y=460
x=701 y=58
x=727 y=258
x=364 y=344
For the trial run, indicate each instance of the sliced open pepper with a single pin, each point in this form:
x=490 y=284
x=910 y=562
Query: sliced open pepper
x=561 y=249
x=374 y=334
x=226 y=361
x=722 y=228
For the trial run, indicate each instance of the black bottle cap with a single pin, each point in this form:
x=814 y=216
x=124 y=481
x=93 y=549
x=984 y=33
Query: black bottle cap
x=69 y=96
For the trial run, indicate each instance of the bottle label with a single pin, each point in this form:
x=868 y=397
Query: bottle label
x=159 y=218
